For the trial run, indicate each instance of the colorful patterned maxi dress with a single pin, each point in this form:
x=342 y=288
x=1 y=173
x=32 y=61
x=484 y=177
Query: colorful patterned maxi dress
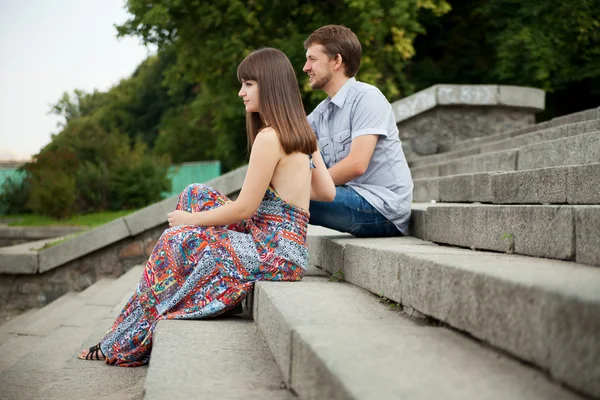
x=196 y=272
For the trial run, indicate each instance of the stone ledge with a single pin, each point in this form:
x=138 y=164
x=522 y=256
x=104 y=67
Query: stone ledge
x=98 y=238
x=520 y=304
x=476 y=95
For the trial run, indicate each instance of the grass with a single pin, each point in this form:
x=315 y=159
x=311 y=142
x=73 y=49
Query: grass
x=54 y=243
x=86 y=220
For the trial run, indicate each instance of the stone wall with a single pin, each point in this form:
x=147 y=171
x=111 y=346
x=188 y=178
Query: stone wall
x=435 y=130
x=24 y=291
x=433 y=119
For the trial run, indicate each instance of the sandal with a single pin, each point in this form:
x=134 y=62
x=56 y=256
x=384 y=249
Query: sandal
x=93 y=354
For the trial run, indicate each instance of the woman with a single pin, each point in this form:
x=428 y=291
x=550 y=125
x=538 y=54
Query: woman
x=215 y=248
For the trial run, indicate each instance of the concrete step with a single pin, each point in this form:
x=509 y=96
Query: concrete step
x=46 y=367
x=574 y=150
x=16 y=323
x=545 y=312
x=586 y=115
x=569 y=233
x=125 y=284
x=51 y=371
x=336 y=341
x=220 y=358
x=577 y=184
x=507 y=141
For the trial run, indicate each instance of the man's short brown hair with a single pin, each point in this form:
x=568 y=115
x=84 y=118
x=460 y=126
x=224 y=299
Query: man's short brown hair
x=337 y=39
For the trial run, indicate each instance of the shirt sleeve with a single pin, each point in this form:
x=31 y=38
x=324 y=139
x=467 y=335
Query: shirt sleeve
x=371 y=115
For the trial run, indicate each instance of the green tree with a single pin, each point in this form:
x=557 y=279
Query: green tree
x=211 y=38
x=553 y=45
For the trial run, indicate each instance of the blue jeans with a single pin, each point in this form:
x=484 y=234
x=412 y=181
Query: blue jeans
x=350 y=212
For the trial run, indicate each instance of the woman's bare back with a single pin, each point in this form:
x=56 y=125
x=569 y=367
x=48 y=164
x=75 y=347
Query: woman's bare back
x=292 y=179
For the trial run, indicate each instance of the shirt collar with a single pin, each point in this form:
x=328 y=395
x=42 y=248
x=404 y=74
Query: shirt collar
x=340 y=97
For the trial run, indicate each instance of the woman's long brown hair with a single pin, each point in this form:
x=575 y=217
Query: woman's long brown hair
x=280 y=101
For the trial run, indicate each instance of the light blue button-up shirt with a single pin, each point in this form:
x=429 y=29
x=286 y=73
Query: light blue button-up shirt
x=361 y=109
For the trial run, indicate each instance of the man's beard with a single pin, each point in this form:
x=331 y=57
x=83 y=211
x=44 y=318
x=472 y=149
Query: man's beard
x=320 y=84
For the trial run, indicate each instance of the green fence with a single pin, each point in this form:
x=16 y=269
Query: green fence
x=193 y=172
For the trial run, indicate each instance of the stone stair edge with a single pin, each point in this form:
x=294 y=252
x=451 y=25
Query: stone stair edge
x=516 y=159
x=568 y=184
x=414 y=275
x=476 y=151
x=482 y=143
x=231 y=339
x=525 y=229
x=107 y=234
x=318 y=330
x=574 y=118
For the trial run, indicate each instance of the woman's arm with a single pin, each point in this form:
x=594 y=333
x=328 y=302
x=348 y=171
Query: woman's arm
x=265 y=154
x=322 y=187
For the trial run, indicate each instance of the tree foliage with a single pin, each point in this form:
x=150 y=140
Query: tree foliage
x=211 y=38
x=553 y=45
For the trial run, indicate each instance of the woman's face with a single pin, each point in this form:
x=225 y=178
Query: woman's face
x=249 y=93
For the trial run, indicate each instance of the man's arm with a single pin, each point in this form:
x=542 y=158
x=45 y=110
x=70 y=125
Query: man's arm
x=357 y=162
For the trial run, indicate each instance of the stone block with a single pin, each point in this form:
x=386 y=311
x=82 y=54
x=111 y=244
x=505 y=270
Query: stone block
x=418 y=225
x=498 y=161
x=575 y=150
x=21 y=262
x=518 y=96
x=583 y=184
x=537 y=186
x=587 y=225
x=481 y=187
x=229 y=342
x=426 y=171
x=543 y=311
x=455 y=167
x=134 y=249
x=456 y=188
x=467 y=94
x=364 y=357
x=426 y=190
x=151 y=216
x=529 y=230
x=83 y=244
x=414 y=104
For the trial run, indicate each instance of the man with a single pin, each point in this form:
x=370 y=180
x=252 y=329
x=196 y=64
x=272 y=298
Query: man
x=357 y=135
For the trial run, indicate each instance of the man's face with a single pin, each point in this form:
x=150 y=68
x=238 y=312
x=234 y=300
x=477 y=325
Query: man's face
x=317 y=67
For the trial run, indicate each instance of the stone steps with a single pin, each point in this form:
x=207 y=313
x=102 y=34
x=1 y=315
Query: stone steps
x=574 y=150
x=223 y=358
x=39 y=359
x=335 y=341
x=559 y=232
x=564 y=126
x=545 y=312
x=574 y=184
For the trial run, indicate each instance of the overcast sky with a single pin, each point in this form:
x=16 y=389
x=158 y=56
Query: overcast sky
x=48 y=47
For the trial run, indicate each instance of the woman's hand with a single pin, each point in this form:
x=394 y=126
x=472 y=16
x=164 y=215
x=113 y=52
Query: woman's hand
x=179 y=217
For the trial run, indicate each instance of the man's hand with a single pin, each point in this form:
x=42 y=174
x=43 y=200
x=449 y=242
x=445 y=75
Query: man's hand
x=179 y=217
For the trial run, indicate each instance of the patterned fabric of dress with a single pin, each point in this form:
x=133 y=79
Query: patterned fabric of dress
x=196 y=272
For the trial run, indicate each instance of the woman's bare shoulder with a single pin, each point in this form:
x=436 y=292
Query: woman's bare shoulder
x=268 y=136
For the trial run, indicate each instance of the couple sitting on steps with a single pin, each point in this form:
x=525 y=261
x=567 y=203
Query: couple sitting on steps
x=342 y=167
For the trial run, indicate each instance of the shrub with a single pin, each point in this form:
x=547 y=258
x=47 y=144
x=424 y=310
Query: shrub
x=13 y=195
